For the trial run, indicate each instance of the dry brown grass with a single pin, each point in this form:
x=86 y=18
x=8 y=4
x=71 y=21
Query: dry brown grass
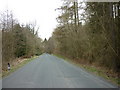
x=96 y=69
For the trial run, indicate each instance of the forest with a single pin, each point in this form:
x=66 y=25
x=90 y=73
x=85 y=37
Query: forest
x=18 y=40
x=88 y=32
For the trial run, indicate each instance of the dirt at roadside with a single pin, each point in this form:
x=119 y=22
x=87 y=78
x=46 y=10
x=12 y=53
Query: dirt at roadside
x=14 y=63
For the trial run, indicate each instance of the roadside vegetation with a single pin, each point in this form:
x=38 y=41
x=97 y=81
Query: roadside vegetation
x=88 y=33
x=16 y=65
x=18 y=40
x=96 y=70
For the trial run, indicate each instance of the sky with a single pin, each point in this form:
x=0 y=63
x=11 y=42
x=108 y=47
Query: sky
x=29 y=11
x=40 y=11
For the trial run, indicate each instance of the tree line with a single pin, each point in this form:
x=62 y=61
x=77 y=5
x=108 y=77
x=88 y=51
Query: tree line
x=18 y=40
x=88 y=32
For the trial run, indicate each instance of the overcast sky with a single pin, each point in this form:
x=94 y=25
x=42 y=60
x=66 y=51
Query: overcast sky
x=41 y=11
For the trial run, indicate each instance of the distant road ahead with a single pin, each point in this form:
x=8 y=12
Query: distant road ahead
x=48 y=71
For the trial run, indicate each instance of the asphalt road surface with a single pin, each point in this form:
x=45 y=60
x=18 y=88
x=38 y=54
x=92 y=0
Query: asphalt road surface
x=48 y=71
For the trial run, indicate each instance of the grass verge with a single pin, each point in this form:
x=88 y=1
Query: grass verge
x=102 y=72
x=14 y=68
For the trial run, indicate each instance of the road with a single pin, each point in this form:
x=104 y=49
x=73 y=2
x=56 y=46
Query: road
x=48 y=71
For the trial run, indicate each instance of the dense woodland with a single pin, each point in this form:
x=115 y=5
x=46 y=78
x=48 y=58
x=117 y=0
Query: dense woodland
x=18 y=40
x=88 y=32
